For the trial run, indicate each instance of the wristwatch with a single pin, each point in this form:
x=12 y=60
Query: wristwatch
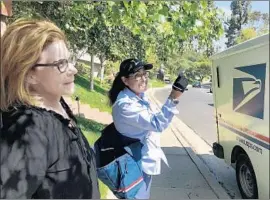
x=175 y=101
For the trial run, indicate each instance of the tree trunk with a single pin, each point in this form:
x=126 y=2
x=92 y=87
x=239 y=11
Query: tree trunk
x=201 y=79
x=102 y=69
x=92 y=73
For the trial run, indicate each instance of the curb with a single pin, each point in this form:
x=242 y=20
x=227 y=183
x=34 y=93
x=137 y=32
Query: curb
x=203 y=169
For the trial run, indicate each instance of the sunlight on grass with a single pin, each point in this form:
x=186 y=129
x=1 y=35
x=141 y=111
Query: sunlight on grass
x=154 y=83
x=96 y=99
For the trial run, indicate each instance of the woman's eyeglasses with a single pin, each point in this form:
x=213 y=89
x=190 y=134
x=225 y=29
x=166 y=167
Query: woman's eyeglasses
x=139 y=76
x=62 y=64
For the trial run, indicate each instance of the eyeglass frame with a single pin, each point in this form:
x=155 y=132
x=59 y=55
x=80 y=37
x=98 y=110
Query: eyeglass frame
x=145 y=74
x=55 y=64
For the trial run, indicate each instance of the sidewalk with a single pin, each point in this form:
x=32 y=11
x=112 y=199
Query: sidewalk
x=182 y=180
x=188 y=177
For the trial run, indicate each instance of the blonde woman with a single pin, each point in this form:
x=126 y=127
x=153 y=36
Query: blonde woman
x=43 y=152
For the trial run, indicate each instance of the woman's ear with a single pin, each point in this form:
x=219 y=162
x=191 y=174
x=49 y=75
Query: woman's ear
x=125 y=81
x=31 y=78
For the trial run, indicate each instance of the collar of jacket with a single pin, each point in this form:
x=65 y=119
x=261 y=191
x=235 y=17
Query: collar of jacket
x=133 y=96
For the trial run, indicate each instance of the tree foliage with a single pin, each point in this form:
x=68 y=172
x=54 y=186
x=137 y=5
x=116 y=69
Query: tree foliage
x=115 y=30
x=239 y=17
x=246 y=34
x=259 y=22
x=197 y=66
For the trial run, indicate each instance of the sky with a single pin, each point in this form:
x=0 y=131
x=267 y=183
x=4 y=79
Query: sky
x=262 y=6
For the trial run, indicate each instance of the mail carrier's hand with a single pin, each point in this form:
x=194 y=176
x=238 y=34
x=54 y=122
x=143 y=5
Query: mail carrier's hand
x=181 y=83
x=179 y=86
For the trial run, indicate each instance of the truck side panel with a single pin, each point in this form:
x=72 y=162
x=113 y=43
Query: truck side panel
x=242 y=107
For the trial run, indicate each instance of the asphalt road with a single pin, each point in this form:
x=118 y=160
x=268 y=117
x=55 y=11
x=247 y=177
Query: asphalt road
x=196 y=110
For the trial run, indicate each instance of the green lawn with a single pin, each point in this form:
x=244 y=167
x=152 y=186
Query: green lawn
x=154 y=83
x=92 y=130
x=97 y=98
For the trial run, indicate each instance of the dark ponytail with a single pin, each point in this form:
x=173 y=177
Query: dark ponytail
x=117 y=86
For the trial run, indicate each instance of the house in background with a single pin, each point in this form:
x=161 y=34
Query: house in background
x=86 y=59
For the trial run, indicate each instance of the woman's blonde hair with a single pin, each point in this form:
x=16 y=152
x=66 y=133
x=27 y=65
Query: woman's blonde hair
x=21 y=47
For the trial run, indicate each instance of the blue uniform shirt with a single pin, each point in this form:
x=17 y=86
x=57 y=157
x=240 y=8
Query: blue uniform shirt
x=133 y=117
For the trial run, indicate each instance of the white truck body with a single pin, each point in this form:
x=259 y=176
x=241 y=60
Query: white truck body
x=240 y=78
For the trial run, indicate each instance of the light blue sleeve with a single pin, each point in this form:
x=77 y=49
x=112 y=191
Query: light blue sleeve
x=139 y=116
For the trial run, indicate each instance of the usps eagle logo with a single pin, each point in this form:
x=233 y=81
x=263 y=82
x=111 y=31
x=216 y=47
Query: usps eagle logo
x=249 y=90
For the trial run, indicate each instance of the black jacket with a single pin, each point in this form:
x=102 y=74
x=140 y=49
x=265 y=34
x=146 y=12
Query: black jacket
x=42 y=156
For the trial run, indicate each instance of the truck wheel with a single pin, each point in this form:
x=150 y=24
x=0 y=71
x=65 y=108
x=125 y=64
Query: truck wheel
x=246 y=178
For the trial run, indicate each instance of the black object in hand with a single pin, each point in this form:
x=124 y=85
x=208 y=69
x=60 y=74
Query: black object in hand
x=180 y=83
